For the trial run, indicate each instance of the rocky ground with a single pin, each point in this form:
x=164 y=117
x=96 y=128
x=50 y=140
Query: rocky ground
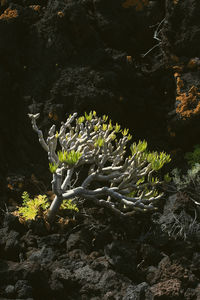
x=139 y=62
x=93 y=255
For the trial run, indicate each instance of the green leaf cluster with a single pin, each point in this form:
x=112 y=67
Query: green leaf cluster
x=139 y=147
x=81 y=119
x=141 y=180
x=68 y=204
x=167 y=178
x=70 y=158
x=105 y=125
x=149 y=193
x=53 y=167
x=57 y=134
x=89 y=116
x=31 y=207
x=104 y=118
x=157 y=160
x=117 y=128
x=125 y=131
x=99 y=142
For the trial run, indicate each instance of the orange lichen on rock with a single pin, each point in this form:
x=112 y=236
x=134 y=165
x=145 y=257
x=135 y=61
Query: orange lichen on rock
x=9 y=14
x=171 y=132
x=194 y=63
x=60 y=14
x=179 y=83
x=178 y=68
x=35 y=7
x=189 y=103
x=53 y=116
x=129 y=58
x=139 y=4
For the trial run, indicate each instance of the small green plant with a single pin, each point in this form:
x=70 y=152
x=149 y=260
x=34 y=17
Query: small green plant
x=157 y=160
x=70 y=158
x=68 y=204
x=167 y=178
x=193 y=157
x=53 y=167
x=32 y=207
x=99 y=142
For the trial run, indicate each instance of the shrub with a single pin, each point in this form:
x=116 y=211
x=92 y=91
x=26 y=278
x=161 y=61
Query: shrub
x=193 y=157
x=31 y=208
x=189 y=182
x=190 y=179
x=180 y=225
x=122 y=183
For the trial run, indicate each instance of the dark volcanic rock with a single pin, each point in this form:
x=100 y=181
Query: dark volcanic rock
x=122 y=256
x=182 y=29
x=60 y=57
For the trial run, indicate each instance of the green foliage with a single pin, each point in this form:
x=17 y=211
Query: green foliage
x=89 y=117
x=31 y=207
x=70 y=158
x=167 y=178
x=96 y=128
x=138 y=148
x=81 y=119
x=191 y=180
x=117 y=128
x=157 y=160
x=154 y=193
x=68 y=204
x=132 y=194
x=193 y=157
x=129 y=137
x=57 y=134
x=104 y=118
x=125 y=132
x=112 y=136
x=141 y=180
x=99 y=142
x=147 y=193
x=110 y=126
x=53 y=167
x=154 y=180
x=104 y=127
